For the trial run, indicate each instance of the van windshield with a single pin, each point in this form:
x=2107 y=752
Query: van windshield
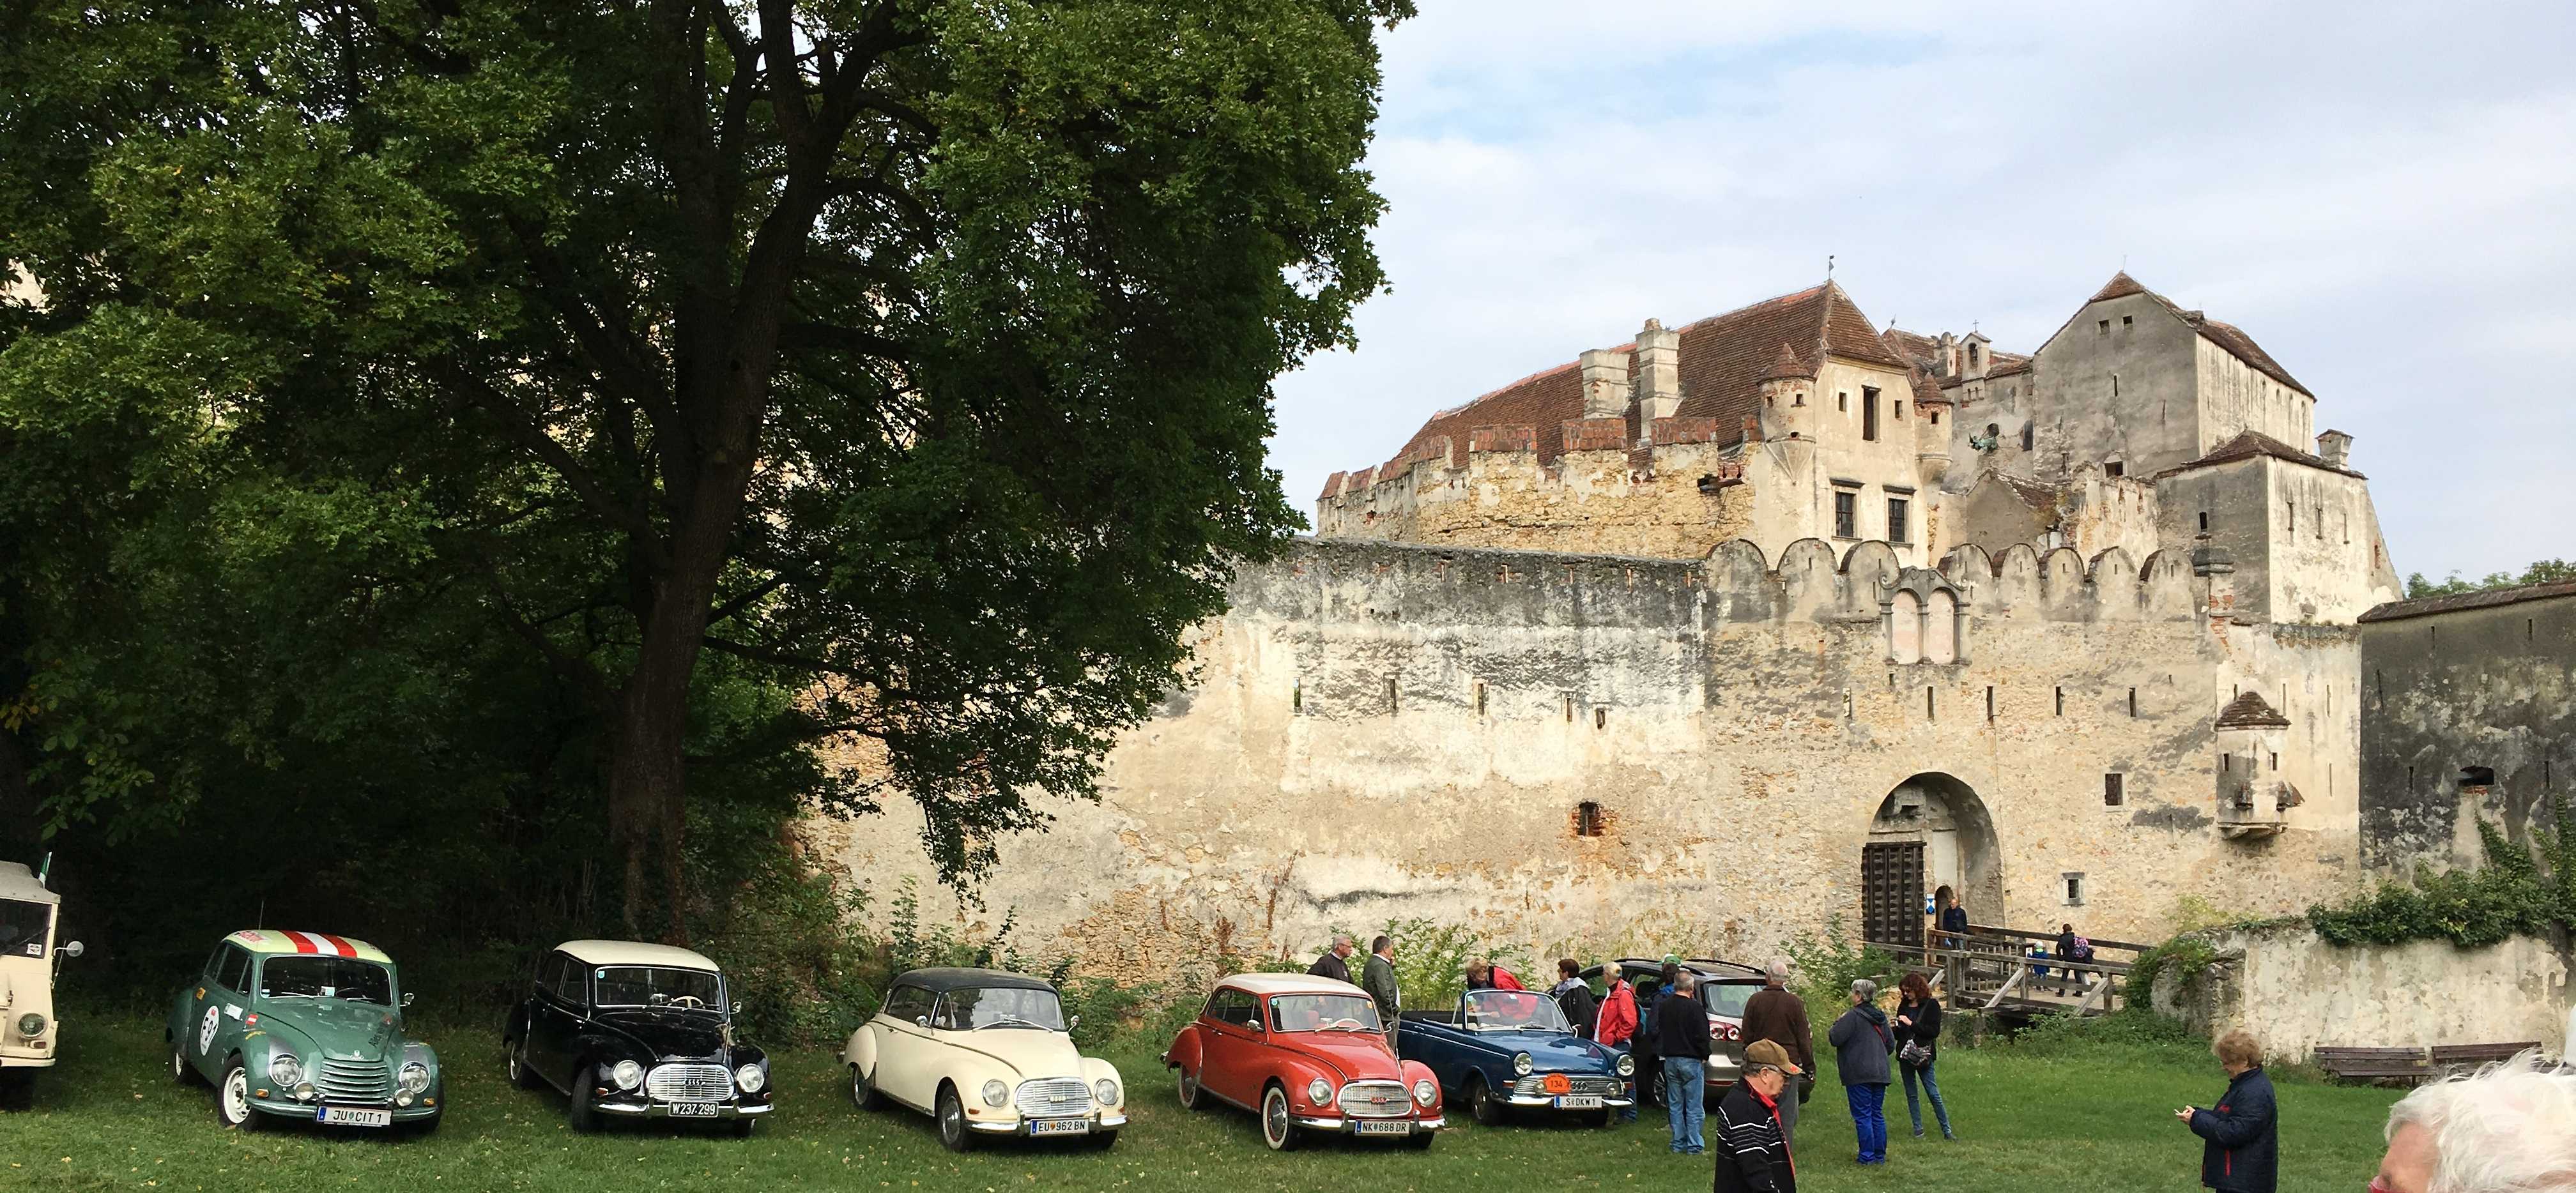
x=22 y=927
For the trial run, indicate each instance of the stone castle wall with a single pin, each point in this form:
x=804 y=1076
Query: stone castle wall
x=1383 y=731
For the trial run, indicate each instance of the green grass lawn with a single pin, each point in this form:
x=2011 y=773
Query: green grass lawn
x=2093 y=1118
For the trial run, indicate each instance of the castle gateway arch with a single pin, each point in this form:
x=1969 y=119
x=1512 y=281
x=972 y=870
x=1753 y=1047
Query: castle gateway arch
x=1931 y=831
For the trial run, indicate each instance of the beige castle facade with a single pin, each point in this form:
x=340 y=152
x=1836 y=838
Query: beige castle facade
x=1718 y=636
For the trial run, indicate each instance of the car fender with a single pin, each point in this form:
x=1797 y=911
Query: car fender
x=605 y=1048
x=1414 y=1071
x=1094 y=1070
x=260 y=1044
x=862 y=1048
x=968 y=1071
x=1298 y=1072
x=1188 y=1050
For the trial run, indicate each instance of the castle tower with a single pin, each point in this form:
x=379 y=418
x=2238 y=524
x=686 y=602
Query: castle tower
x=1788 y=398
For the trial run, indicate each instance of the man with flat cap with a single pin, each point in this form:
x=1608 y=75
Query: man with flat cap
x=1752 y=1153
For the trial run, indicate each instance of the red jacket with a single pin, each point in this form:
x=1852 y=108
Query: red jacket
x=1618 y=1016
x=1503 y=980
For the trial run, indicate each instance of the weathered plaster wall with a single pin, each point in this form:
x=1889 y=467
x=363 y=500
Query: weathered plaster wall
x=1681 y=502
x=2327 y=564
x=2294 y=992
x=1385 y=731
x=2128 y=392
x=2236 y=397
x=2492 y=686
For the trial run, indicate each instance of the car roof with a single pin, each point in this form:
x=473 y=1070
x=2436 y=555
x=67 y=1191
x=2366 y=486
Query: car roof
x=284 y=941
x=1705 y=966
x=1267 y=984
x=19 y=882
x=942 y=979
x=632 y=952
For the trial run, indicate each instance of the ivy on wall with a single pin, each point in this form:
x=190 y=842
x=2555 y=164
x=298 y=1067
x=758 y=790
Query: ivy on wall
x=2519 y=891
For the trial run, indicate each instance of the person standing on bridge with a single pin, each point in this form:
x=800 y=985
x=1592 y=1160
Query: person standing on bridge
x=2242 y=1152
x=1918 y=1036
x=1952 y=919
x=1334 y=963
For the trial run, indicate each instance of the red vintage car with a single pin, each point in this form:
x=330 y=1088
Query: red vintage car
x=1309 y=1056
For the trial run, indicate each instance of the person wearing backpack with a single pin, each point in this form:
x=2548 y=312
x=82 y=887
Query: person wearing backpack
x=1862 y=1043
x=1918 y=1036
x=2071 y=947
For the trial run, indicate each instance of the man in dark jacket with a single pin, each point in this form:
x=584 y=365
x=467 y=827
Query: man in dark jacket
x=1334 y=964
x=1776 y=1015
x=1861 y=1044
x=1752 y=1150
x=2242 y=1152
x=1574 y=997
x=1650 y=1064
x=1681 y=1036
x=1378 y=979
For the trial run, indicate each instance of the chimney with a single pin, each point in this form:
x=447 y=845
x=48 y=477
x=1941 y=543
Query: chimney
x=2335 y=448
x=1605 y=383
x=1659 y=373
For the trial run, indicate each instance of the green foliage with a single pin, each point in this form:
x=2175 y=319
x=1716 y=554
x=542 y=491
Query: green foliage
x=2187 y=955
x=2133 y=1027
x=2541 y=572
x=1823 y=967
x=2519 y=891
x=1431 y=959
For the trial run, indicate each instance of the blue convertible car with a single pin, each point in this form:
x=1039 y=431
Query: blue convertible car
x=1502 y=1049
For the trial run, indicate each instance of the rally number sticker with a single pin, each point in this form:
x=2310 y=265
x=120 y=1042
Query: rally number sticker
x=206 y=1030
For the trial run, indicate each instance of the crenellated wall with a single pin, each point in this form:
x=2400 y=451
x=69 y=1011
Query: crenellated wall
x=1382 y=731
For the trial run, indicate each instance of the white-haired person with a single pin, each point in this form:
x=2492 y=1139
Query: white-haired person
x=2508 y=1128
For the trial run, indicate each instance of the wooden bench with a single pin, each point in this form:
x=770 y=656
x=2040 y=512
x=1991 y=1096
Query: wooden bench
x=2372 y=1064
x=2452 y=1057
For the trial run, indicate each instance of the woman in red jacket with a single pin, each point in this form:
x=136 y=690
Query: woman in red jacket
x=1618 y=1026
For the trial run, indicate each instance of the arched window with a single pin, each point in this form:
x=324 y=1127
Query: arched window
x=1905 y=629
x=1940 y=629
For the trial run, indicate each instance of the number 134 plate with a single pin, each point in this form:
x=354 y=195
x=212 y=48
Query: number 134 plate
x=349 y=1116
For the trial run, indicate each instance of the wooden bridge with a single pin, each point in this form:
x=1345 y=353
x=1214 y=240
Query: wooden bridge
x=1993 y=969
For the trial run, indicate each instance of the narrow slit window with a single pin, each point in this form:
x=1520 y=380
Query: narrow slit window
x=1990 y=702
x=2133 y=702
x=1927 y=702
x=2061 y=702
x=1390 y=693
x=1480 y=698
x=2112 y=795
x=2276 y=762
x=1868 y=413
x=1587 y=819
x=1600 y=717
x=1297 y=697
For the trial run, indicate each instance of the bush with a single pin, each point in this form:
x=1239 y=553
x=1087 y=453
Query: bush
x=2512 y=894
x=2130 y=1027
x=1822 y=968
x=1431 y=959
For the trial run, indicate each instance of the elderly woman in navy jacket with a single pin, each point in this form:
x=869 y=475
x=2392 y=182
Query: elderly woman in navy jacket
x=2243 y=1132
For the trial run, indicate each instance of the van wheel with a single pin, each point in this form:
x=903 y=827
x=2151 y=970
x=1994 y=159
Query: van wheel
x=1277 y=1129
x=232 y=1098
x=1489 y=1110
x=579 y=1109
x=953 y=1134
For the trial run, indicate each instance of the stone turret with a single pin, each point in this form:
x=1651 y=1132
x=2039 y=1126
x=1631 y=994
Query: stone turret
x=1788 y=398
x=2253 y=798
x=2335 y=448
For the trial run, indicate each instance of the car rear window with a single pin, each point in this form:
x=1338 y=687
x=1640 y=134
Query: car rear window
x=1728 y=998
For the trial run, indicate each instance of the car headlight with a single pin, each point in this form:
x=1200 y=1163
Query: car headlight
x=996 y=1093
x=1627 y=1065
x=751 y=1077
x=1319 y=1092
x=286 y=1070
x=627 y=1074
x=1106 y=1090
x=415 y=1077
x=31 y=1025
x=1424 y=1091
x=1521 y=1065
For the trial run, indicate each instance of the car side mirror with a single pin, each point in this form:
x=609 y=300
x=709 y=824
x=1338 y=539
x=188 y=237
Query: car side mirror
x=1073 y=1023
x=923 y=1021
x=737 y=1008
x=73 y=949
x=406 y=998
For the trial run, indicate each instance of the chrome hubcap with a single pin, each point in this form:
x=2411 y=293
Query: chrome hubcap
x=237 y=1097
x=1275 y=1117
x=953 y=1122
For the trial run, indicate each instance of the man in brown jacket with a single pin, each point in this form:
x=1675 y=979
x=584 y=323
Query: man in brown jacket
x=1778 y=1016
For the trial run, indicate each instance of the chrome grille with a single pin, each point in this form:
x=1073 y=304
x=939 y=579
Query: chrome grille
x=1376 y=1099
x=689 y=1083
x=344 y=1081
x=1535 y=1086
x=1053 y=1097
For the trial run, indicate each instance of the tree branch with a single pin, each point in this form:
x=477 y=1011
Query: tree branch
x=481 y=394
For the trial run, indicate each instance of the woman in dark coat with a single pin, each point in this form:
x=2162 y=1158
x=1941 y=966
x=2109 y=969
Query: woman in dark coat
x=1918 y=1021
x=2241 y=1149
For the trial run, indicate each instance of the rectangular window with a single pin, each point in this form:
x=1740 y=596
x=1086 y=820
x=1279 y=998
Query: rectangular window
x=2111 y=793
x=1899 y=526
x=2026 y=439
x=1868 y=413
x=1480 y=698
x=2204 y=519
x=2133 y=702
x=2061 y=702
x=2074 y=890
x=2113 y=468
x=1587 y=819
x=2102 y=328
x=1845 y=516
x=1936 y=418
x=1990 y=702
x=1842 y=403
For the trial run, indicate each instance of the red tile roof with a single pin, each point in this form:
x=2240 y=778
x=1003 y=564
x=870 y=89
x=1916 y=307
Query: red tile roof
x=2226 y=335
x=1724 y=360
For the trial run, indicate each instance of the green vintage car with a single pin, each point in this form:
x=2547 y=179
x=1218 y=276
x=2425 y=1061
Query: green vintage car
x=303 y=1025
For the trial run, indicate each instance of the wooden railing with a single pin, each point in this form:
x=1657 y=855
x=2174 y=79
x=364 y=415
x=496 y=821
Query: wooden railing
x=1992 y=968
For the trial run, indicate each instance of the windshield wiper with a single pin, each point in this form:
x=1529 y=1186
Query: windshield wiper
x=1008 y=1020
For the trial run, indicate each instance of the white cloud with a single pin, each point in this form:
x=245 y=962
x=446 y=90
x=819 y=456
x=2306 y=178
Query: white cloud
x=2378 y=194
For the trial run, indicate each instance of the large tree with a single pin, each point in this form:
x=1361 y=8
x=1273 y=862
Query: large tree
x=916 y=352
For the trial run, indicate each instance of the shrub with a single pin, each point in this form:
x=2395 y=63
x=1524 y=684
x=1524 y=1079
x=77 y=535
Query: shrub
x=1822 y=968
x=2519 y=891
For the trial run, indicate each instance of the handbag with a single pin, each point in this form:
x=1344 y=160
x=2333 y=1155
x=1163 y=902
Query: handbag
x=1914 y=1054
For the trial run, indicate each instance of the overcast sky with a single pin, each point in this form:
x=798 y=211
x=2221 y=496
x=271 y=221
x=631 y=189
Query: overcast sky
x=2383 y=196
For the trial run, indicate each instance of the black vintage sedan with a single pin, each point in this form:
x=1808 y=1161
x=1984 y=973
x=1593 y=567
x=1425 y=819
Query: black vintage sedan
x=630 y=1030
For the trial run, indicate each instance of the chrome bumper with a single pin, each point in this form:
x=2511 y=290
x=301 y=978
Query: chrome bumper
x=1548 y=1102
x=724 y=1110
x=1350 y=1126
x=1099 y=1123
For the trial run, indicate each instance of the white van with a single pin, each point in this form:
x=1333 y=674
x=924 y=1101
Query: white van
x=29 y=1033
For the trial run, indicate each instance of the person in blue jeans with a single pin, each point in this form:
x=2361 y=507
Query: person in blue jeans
x=1861 y=1046
x=1681 y=1035
x=1918 y=1024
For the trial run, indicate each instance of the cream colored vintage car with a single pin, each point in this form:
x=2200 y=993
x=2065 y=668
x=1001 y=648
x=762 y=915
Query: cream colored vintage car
x=984 y=1053
x=29 y=1033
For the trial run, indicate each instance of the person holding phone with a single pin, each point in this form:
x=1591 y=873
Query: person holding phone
x=2241 y=1149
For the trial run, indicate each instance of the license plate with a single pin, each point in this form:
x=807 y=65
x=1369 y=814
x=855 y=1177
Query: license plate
x=693 y=1110
x=1061 y=1126
x=349 y=1116
x=1578 y=1102
x=1395 y=1128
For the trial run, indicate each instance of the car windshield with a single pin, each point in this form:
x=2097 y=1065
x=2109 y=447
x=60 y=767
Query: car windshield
x=1512 y=1010
x=656 y=986
x=22 y=927
x=326 y=977
x=975 y=1008
x=1324 y=1012
x=1728 y=998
